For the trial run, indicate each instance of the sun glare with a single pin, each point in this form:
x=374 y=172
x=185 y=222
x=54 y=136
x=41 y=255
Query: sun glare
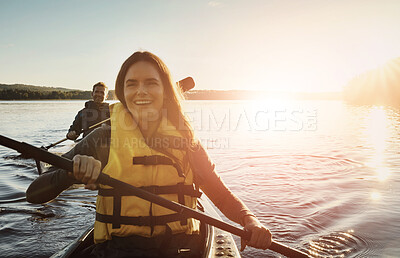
x=377 y=134
x=275 y=98
x=376 y=196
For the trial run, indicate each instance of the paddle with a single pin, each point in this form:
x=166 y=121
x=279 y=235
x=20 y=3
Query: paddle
x=185 y=85
x=90 y=127
x=67 y=164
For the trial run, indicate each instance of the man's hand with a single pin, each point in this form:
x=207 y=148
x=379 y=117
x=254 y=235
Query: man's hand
x=72 y=135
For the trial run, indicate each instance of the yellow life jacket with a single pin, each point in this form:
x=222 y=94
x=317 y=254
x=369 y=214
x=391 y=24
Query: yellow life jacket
x=132 y=161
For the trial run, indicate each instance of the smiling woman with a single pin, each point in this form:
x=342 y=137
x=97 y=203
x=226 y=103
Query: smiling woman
x=149 y=113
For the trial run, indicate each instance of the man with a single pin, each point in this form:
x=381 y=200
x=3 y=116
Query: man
x=95 y=111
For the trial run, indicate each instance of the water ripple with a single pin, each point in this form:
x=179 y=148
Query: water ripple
x=339 y=244
x=43 y=213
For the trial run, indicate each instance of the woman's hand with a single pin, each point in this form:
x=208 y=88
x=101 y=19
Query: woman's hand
x=260 y=236
x=86 y=170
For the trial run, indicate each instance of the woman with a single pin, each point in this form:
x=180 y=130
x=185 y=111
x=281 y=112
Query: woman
x=151 y=145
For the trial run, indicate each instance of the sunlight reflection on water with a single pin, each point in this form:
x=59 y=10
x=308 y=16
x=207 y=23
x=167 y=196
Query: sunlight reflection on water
x=325 y=177
x=378 y=134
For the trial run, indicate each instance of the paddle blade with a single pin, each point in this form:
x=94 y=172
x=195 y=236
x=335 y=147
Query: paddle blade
x=186 y=84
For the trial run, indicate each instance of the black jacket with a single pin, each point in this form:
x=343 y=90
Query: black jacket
x=92 y=113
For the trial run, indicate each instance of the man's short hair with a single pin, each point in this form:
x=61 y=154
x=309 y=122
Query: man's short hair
x=101 y=84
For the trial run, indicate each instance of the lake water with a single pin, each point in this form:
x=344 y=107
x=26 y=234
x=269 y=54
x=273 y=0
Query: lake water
x=322 y=175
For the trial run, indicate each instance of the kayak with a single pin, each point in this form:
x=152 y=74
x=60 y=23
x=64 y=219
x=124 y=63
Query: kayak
x=217 y=243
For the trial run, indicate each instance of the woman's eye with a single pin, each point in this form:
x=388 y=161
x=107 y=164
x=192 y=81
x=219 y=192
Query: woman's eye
x=131 y=84
x=152 y=84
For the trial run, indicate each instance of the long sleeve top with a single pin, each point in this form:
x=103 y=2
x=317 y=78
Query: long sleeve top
x=91 y=114
x=97 y=144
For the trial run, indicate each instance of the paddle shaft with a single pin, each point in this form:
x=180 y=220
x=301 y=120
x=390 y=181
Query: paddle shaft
x=90 y=127
x=67 y=164
x=54 y=144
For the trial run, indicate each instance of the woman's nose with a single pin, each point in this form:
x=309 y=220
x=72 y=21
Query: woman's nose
x=141 y=89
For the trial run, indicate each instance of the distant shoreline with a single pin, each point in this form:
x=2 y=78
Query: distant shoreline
x=31 y=92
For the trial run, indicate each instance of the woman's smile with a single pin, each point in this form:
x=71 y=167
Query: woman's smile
x=142 y=102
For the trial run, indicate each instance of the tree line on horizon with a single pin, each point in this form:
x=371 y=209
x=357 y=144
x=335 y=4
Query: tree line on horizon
x=22 y=94
x=380 y=86
x=28 y=94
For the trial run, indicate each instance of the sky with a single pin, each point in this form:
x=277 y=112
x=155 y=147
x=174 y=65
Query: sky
x=269 y=45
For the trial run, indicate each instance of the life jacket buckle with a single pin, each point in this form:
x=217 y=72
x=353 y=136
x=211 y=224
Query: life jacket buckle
x=184 y=250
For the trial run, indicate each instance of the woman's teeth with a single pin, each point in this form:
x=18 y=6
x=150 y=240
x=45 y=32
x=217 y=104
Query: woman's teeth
x=142 y=102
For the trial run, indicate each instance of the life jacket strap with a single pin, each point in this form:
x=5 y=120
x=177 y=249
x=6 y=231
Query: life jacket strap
x=157 y=160
x=152 y=160
x=181 y=199
x=189 y=190
x=150 y=221
x=116 y=219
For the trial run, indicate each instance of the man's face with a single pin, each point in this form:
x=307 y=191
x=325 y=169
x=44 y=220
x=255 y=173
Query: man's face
x=99 y=94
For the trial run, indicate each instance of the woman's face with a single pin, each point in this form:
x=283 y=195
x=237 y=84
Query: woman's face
x=144 y=92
